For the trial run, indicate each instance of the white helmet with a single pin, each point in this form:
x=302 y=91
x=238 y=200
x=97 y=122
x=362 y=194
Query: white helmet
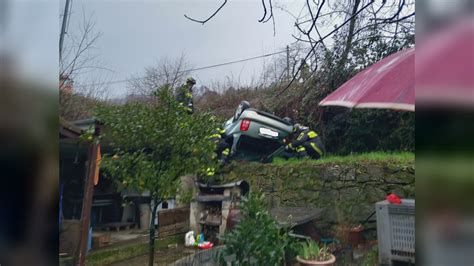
x=299 y=127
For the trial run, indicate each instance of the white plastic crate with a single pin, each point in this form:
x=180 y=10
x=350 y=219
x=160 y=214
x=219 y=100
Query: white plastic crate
x=396 y=231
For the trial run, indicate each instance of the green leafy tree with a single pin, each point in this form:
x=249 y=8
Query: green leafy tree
x=154 y=144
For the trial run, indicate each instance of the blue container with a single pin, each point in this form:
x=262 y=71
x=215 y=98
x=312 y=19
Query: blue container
x=89 y=239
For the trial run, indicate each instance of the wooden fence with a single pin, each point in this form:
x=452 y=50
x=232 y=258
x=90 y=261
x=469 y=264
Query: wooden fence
x=173 y=221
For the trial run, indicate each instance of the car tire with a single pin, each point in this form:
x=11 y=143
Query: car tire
x=240 y=109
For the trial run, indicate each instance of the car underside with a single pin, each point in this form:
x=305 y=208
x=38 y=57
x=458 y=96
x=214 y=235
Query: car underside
x=255 y=134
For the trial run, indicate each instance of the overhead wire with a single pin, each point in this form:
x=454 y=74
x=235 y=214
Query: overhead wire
x=188 y=70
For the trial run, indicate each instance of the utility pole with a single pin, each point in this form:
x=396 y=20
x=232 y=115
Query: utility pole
x=288 y=62
x=63 y=29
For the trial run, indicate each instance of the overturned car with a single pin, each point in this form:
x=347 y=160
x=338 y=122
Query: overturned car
x=254 y=134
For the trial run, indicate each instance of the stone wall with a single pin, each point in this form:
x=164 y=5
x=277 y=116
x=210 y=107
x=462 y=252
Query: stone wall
x=346 y=191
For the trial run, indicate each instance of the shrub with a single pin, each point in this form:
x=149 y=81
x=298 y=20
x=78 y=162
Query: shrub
x=257 y=239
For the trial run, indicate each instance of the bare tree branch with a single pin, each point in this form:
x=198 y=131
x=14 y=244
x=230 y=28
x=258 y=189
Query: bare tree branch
x=165 y=71
x=324 y=37
x=400 y=19
x=313 y=18
x=269 y=17
x=273 y=19
x=385 y=22
x=271 y=11
x=313 y=25
x=206 y=20
x=400 y=8
x=380 y=8
x=286 y=11
x=320 y=37
x=77 y=54
x=324 y=15
x=350 y=34
x=301 y=40
x=264 y=19
x=264 y=11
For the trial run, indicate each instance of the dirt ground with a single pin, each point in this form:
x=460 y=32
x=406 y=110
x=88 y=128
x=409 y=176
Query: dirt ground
x=162 y=257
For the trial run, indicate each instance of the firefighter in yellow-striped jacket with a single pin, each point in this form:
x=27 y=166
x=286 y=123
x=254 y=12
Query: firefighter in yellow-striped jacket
x=222 y=149
x=307 y=143
x=184 y=95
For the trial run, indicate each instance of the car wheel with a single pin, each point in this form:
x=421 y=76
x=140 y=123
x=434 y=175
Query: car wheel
x=240 y=109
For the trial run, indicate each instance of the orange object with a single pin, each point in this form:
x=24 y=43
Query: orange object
x=97 y=166
x=393 y=199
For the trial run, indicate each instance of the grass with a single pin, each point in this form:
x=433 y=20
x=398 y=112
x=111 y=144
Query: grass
x=371 y=258
x=448 y=168
x=402 y=157
x=108 y=256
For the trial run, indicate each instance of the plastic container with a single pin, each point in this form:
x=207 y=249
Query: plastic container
x=396 y=231
x=89 y=239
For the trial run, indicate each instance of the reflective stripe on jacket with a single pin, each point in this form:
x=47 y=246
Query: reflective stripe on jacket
x=310 y=137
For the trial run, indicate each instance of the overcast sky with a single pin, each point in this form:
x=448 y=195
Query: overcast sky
x=27 y=38
x=135 y=34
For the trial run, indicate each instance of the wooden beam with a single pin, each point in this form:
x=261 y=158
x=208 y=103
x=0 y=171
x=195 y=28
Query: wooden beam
x=87 y=203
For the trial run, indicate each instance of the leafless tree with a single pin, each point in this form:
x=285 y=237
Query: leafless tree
x=349 y=21
x=276 y=71
x=80 y=93
x=165 y=71
x=360 y=17
x=352 y=21
x=79 y=54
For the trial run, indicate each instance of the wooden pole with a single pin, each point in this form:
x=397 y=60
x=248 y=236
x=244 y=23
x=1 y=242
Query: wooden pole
x=87 y=203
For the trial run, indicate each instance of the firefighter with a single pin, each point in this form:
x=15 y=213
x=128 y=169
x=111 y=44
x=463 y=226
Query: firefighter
x=307 y=143
x=222 y=149
x=184 y=95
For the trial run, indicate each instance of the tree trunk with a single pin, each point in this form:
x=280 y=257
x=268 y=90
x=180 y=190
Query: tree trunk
x=151 y=245
x=340 y=66
x=350 y=34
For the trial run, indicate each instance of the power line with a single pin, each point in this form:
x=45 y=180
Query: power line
x=189 y=70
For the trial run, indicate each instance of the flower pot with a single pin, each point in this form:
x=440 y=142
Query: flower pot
x=313 y=262
x=355 y=236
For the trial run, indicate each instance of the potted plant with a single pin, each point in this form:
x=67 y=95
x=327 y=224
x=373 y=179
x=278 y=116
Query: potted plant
x=312 y=254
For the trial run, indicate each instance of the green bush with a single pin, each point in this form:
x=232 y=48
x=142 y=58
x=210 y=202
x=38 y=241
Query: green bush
x=364 y=130
x=257 y=239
